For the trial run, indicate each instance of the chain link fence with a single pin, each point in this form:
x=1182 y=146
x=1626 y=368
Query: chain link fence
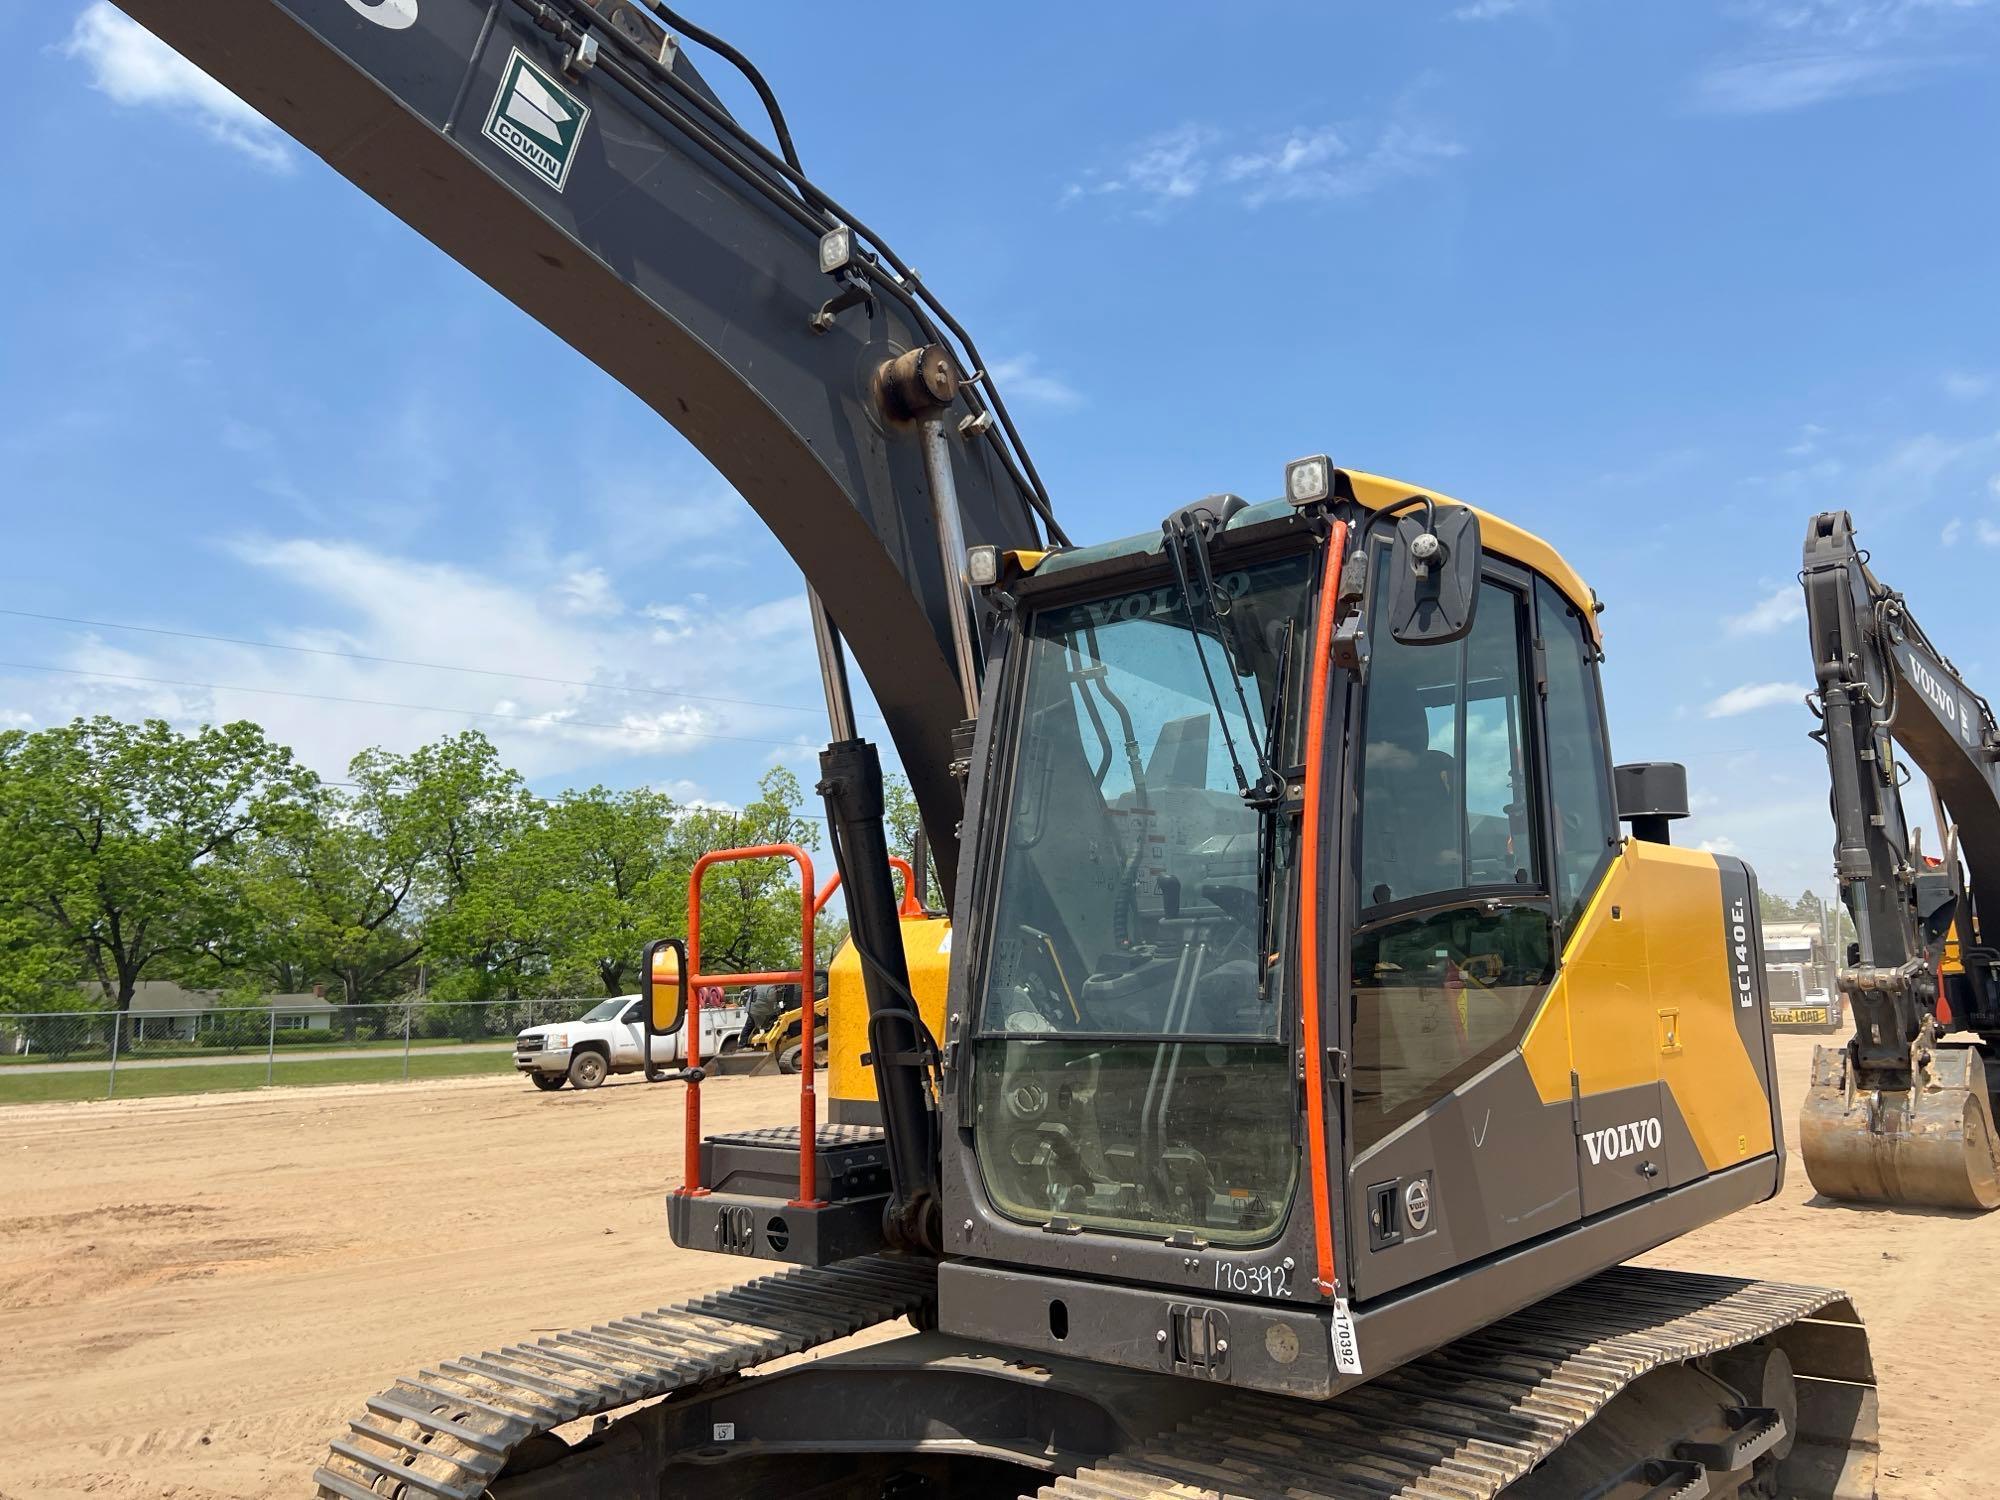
x=80 y=1054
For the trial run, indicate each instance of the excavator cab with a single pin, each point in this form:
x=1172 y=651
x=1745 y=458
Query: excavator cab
x=1304 y=990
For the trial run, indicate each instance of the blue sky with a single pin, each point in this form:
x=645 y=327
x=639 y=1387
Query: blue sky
x=1655 y=279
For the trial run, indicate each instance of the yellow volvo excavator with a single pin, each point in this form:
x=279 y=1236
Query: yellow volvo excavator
x=1323 y=1018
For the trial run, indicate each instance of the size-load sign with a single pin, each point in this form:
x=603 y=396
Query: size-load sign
x=535 y=120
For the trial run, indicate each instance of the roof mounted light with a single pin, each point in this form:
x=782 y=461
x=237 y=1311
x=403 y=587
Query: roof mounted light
x=1308 y=481
x=836 y=249
x=982 y=566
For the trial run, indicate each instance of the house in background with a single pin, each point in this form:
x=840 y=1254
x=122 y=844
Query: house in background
x=162 y=1010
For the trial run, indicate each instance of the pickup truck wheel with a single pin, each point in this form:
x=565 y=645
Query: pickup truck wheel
x=587 y=1070
x=548 y=1083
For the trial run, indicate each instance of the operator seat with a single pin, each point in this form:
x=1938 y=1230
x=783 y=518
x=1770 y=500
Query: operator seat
x=1409 y=803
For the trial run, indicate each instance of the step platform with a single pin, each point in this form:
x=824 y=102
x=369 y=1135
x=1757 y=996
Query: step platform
x=749 y=1205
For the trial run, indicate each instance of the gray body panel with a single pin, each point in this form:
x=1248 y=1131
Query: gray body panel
x=1504 y=1170
x=1122 y=1324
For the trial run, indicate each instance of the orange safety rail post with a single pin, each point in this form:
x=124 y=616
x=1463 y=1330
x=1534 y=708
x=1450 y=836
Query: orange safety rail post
x=802 y=977
x=912 y=903
x=1311 y=897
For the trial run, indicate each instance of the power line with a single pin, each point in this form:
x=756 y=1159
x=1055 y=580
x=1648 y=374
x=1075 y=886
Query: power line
x=553 y=720
x=399 y=661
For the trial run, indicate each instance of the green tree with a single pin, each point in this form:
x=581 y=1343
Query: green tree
x=39 y=971
x=574 y=896
x=116 y=839
x=750 y=908
x=900 y=817
x=623 y=880
x=349 y=887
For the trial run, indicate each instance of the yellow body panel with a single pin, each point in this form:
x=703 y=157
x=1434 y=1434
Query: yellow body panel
x=1647 y=992
x=927 y=950
x=1500 y=537
x=1596 y=1018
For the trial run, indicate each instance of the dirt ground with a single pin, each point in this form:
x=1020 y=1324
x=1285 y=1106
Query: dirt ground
x=196 y=1292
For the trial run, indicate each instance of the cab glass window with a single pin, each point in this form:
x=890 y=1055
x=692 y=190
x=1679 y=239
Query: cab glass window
x=1586 y=823
x=1436 y=998
x=1446 y=798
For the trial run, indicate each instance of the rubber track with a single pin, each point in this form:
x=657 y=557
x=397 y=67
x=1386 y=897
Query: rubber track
x=1466 y=1420
x=445 y=1433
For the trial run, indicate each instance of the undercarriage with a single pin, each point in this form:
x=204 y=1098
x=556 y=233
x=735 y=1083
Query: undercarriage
x=1634 y=1383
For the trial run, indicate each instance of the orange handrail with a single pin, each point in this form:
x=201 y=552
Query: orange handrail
x=1311 y=995
x=802 y=976
x=912 y=904
x=810 y=906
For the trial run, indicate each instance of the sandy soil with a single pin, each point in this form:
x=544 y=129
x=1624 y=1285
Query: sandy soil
x=197 y=1291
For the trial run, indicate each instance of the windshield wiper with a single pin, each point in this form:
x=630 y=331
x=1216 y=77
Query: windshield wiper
x=1186 y=531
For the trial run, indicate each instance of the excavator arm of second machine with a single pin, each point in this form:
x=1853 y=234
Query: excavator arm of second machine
x=1901 y=1114
x=567 y=153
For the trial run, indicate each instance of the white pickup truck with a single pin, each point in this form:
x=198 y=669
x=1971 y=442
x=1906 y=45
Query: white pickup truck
x=610 y=1038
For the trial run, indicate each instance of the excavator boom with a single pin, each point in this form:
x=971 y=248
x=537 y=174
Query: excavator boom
x=1900 y=1115
x=568 y=154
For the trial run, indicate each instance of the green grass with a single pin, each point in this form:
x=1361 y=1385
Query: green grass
x=139 y=1083
x=321 y=1042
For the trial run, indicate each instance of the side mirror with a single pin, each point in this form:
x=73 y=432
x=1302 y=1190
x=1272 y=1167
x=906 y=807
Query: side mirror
x=1434 y=575
x=664 y=963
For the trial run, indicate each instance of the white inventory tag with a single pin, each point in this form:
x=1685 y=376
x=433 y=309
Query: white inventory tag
x=1346 y=1348
x=725 y=1432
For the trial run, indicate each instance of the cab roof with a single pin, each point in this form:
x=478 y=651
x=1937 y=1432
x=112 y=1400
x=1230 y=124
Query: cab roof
x=1373 y=491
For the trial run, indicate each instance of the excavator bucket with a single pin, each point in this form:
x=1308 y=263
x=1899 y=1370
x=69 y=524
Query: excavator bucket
x=1929 y=1146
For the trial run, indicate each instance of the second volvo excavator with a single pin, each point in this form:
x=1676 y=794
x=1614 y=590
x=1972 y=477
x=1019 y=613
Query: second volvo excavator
x=1903 y=1113
x=1323 y=1016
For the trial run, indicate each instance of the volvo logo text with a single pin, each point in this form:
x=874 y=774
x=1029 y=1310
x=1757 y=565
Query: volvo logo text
x=1621 y=1141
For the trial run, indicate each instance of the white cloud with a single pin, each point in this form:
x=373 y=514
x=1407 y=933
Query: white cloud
x=1486 y=10
x=136 y=69
x=1987 y=532
x=1806 y=52
x=587 y=591
x=752 y=666
x=1952 y=529
x=1166 y=168
x=1809 y=436
x=1919 y=462
x=1322 y=162
x=1900 y=472
x=1752 y=696
x=1773 y=85
x=1022 y=382
x=1781 y=607
x=1962 y=385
